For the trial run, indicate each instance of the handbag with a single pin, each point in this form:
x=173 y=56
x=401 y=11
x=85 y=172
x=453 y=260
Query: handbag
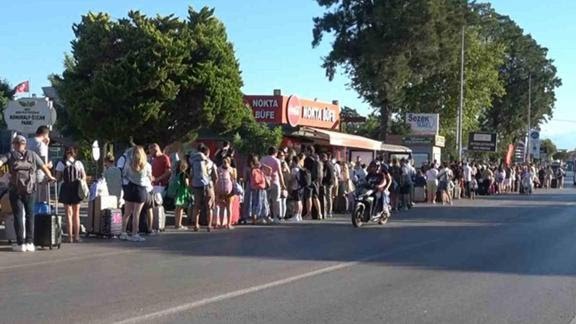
x=83 y=190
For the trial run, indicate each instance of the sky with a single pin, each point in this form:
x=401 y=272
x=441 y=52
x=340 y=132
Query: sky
x=272 y=40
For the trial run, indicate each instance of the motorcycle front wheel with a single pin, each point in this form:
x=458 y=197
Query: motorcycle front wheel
x=357 y=216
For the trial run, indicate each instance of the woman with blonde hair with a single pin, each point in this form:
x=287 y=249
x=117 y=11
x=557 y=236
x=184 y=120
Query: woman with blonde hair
x=138 y=172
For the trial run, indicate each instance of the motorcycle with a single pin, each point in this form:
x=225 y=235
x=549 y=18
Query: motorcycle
x=366 y=208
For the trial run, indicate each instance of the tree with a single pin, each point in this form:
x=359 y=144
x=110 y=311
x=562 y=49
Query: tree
x=158 y=79
x=386 y=46
x=525 y=61
x=548 y=146
x=256 y=138
x=6 y=94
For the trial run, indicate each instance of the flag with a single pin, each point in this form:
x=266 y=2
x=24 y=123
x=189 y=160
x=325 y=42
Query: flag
x=22 y=87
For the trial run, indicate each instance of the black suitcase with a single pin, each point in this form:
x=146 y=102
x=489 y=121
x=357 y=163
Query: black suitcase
x=554 y=183
x=48 y=230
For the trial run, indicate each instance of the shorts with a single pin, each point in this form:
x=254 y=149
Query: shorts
x=313 y=191
x=203 y=197
x=432 y=186
x=135 y=194
x=405 y=189
x=296 y=195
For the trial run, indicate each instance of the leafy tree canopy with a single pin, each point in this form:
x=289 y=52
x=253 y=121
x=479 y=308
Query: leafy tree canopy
x=155 y=78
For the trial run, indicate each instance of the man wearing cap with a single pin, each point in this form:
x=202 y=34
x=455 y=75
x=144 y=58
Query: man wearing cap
x=23 y=164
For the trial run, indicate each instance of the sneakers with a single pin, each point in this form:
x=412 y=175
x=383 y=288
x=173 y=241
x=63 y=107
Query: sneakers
x=19 y=248
x=29 y=247
x=182 y=228
x=137 y=238
x=124 y=237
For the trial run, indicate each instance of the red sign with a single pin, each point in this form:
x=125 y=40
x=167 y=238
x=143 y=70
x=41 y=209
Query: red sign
x=266 y=109
x=293 y=111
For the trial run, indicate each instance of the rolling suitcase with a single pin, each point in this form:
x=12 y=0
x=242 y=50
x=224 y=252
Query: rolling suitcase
x=48 y=230
x=47 y=223
x=159 y=218
x=95 y=209
x=111 y=222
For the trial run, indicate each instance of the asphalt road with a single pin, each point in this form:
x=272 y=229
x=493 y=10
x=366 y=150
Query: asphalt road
x=507 y=259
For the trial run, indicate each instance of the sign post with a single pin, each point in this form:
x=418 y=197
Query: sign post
x=482 y=142
x=25 y=115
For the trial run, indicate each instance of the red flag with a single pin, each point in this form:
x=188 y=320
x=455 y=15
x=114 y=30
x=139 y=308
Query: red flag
x=22 y=87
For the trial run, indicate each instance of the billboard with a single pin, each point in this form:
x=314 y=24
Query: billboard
x=423 y=124
x=482 y=142
x=25 y=115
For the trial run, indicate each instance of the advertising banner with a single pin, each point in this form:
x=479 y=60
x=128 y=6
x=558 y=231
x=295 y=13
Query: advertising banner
x=423 y=124
x=482 y=142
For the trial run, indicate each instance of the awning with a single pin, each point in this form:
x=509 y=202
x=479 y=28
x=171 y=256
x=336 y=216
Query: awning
x=349 y=140
x=395 y=148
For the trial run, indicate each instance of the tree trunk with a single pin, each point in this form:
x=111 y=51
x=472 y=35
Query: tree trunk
x=384 y=121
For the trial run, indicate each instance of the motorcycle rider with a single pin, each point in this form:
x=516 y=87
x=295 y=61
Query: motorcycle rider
x=379 y=178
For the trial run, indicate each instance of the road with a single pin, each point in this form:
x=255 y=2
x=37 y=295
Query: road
x=507 y=259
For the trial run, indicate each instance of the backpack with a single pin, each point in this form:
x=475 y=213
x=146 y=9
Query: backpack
x=71 y=173
x=23 y=172
x=199 y=172
x=317 y=170
x=304 y=178
x=257 y=179
x=224 y=183
x=329 y=174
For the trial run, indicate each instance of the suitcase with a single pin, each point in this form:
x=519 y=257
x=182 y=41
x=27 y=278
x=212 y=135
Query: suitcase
x=111 y=222
x=143 y=222
x=554 y=183
x=159 y=218
x=419 y=194
x=48 y=230
x=95 y=209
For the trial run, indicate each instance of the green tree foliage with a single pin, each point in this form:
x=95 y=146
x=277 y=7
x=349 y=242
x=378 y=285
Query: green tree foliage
x=6 y=94
x=525 y=59
x=256 y=138
x=386 y=46
x=548 y=146
x=404 y=56
x=155 y=78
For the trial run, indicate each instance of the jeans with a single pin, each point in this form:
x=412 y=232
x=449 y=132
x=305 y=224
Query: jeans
x=274 y=197
x=23 y=209
x=326 y=200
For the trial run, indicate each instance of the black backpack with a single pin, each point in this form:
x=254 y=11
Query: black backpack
x=329 y=174
x=71 y=172
x=304 y=178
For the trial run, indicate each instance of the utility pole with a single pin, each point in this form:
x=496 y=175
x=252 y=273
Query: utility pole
x=528 y=141
x=459 y=124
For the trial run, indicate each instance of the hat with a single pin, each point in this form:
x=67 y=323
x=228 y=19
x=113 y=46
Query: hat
x=19 y=140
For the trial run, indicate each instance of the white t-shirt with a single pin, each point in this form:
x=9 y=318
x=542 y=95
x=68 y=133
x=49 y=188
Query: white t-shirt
x=61 y=165
x=467 y=173
x=432 y=175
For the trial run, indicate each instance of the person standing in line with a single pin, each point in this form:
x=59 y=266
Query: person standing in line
x=328 y=182
x=467 y=177
x=431 y=184
x=276 y=179
x=312 y=195
x=161 y=168
x=23 y=164
x=203 y=176
x=113 y=176
x=182 y=193
x=138 y=172
x=71 y=171
x=286 y=174
x=301 y=180
x=223 y=190
x=224 y=151
x=39 y=144
x=258 y=184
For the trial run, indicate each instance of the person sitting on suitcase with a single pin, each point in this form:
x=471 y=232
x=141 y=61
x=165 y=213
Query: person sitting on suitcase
x=23 y=165
x=70 y=171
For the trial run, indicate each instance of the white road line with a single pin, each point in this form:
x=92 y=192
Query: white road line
x=253 y=289
x=68 y=259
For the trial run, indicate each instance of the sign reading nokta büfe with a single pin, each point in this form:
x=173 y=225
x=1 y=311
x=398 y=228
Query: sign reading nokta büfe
x=27 y=114
x=482 y=142
x=294 y=111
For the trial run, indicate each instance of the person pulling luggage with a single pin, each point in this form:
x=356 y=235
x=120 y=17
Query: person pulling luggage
x=23 y=164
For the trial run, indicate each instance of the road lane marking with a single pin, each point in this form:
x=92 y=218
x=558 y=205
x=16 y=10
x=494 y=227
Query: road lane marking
x=273 y=284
